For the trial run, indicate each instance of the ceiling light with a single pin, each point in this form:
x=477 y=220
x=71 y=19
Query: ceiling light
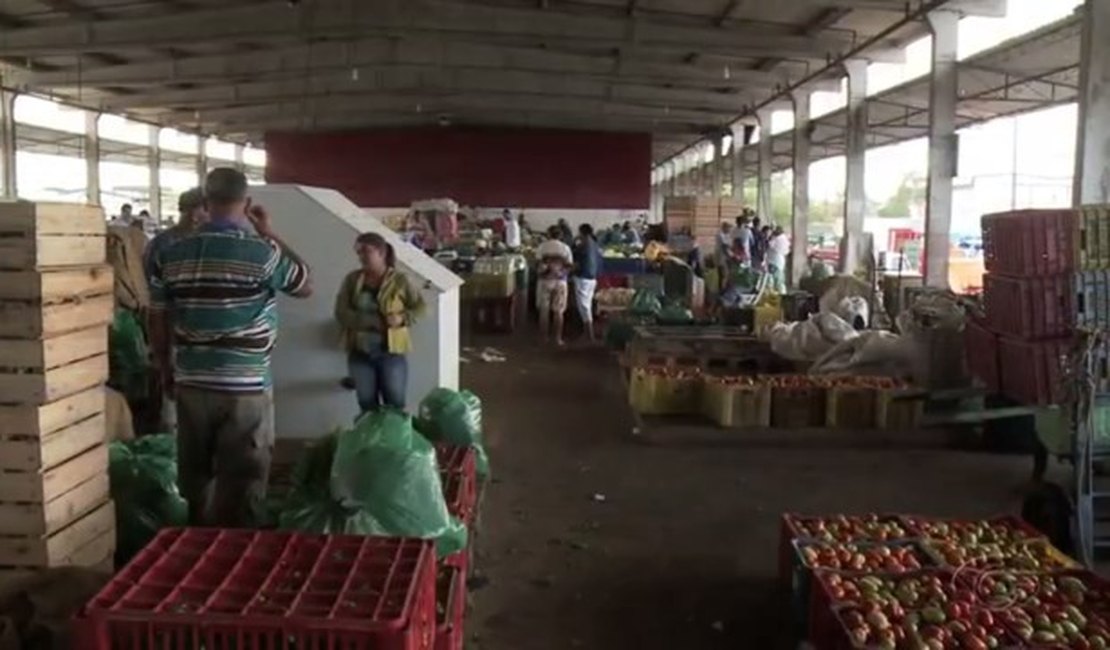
x=728 y=72
x=354 y=74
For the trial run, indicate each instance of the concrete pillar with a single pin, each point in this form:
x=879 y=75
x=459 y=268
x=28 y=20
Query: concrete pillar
x=855 y=191
x=8 y=187
x=672 y=173
x=1092 y=173
x=799 y=237
x=942 y=146
x=154 y=176
x=202 y=162
x=92 y=158
x=766 y=155
x=738 y=162
x=717 y=174
x=239 y=164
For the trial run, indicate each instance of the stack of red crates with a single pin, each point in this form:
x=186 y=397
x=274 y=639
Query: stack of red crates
x=458 y=473
x=210 y=588
x=1019 y=349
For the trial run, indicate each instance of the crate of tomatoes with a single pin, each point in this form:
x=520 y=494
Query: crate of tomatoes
x=851 y=558
x=797 y=401
x=1036 y=555
x=957 y=625
x=737 y=402
x=834 y=529
x=1002 y=529
x=665 y=390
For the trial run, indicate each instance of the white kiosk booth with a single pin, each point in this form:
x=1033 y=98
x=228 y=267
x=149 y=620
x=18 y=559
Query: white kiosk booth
x=309 y=361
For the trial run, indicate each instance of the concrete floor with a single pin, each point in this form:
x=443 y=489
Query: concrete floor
x=589 y=540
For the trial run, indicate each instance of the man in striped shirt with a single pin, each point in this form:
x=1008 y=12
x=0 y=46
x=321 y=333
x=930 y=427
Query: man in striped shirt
x=214 y=303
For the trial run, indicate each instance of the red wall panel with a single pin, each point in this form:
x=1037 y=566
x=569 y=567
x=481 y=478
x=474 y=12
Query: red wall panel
x=478 y=167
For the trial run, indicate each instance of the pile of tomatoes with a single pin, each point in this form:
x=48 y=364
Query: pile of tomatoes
x=849 y=528
x=1035 y=555
x=877 y=558
x=958 y=626
x=970 y=533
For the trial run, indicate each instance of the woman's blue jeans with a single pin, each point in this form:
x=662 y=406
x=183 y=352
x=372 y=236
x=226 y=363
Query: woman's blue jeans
x=380 y=379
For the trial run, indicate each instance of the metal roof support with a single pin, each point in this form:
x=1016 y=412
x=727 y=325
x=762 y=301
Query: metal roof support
x=672 y=178
x=92 y=158
x=239 y=164
x=154 y=171
x=943 y=87
x=7 y=145
x=717 y=171
x=855 y=192
x=766 y=159
x=799 y=231
x=1092 y=173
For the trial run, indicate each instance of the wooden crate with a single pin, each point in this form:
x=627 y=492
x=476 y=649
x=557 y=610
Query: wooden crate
x=36 y=235
x=45 y=485
x=28 y=320
x=38 y=420
x=44 y=385
x=62 y=547
x=32 y=454
x=894 y=414
x=40 y=519
x=52 y=286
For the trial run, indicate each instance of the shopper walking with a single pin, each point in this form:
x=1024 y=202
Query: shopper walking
x=555 y=262
x=777 y=249
x=375 y=307
x=587 y=265
x=213 y=296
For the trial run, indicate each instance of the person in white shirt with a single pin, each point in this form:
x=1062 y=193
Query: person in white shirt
x=512 y=230
x=777 y=250
x=555 y=263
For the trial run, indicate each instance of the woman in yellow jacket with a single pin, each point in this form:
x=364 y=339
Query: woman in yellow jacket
x=375 y=307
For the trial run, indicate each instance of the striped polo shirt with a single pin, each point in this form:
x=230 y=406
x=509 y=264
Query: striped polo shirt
x=219 y=286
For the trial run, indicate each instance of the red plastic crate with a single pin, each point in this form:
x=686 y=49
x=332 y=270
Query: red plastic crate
x=460 y=496
x=1009 y=526
x=456 y=459
x=1030 y=308
x=1033 y=372
x=209 y=588
x=450 y=608
x=981 y=350
x=1029 y=243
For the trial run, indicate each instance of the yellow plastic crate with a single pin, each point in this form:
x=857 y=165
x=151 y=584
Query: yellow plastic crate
x=735 y=406
x=650 y=392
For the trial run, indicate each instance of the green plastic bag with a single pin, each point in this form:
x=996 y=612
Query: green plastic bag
x=128 y=358
x=645 y=303
x=378 y=478
x=676 y=314
x=143 y=475
x=454 y=418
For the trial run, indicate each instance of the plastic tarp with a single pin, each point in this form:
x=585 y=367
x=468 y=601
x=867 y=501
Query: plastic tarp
x=378 y=478
x=454 y=418
x=871 y=353
x=810 y=339
x=143 y=475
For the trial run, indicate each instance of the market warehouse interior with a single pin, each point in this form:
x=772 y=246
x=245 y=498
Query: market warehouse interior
x=561 y=324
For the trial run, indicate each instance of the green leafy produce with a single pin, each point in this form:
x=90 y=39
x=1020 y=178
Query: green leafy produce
x=143 y=474
x=455 y=418
x=377 y=478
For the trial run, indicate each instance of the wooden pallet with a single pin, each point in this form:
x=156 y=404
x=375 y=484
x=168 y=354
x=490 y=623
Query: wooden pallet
x=35 y=235
x=67 y=546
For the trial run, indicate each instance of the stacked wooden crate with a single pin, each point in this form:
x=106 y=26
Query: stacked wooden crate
x=700 y=217
x=55 y=306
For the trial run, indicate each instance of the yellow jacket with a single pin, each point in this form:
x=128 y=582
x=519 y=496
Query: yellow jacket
x=395 y=296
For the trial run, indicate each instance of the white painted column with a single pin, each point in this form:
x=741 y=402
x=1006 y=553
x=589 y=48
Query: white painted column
x=855 y=191
x=8 y=176
x=766 y=156
x=154 y=168
x=239 y=164
x=738 y=161
x=943 y=155
x=92 y=158
x=799 y=238
x=202 y=162
x=1092 y=173
x=717 y=170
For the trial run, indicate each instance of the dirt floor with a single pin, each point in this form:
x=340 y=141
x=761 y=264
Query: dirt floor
x=590 y=540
